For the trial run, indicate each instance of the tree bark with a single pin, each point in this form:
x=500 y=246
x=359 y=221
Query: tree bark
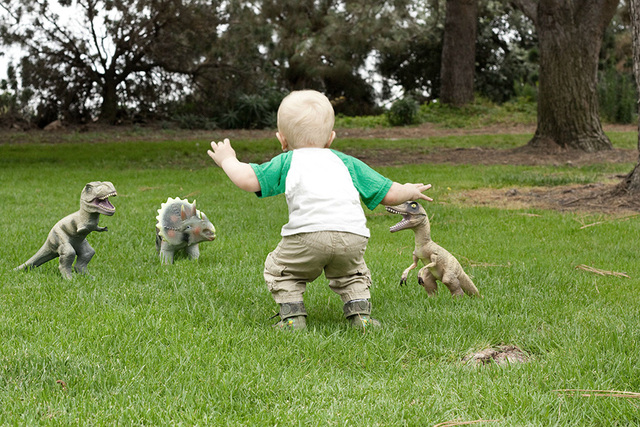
x=631 y=183
x=459 y=52
x=109 y=107
x=570 y=36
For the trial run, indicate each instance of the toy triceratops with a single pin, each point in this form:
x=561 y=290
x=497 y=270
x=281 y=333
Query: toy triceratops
x=181 y=226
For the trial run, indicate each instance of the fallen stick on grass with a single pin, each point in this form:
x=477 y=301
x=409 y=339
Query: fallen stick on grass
x=624 y=218
x=601 y=393
x=463 y=423
x=601 y=272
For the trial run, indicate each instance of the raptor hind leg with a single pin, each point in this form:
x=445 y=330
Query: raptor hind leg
x=85 y=253
x=451 y=281
x=428 y=281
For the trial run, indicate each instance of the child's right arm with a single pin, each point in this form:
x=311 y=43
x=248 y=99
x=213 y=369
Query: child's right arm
x=241 y=174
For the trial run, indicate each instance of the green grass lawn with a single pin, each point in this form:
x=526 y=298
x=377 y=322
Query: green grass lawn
x=191 y=343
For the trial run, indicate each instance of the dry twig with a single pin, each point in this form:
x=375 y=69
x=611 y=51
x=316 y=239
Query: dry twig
x=473 y=263
x=621 y=219
x=601 y=393
x=463 y=423
x=600 y=272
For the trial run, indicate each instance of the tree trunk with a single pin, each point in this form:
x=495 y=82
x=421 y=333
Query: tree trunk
x=631 y=183
x=570 y=36
x=109 y=107
x=459 y=52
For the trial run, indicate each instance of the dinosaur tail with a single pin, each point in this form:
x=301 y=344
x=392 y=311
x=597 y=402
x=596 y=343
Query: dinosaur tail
x=43 y=255
x=467 y=285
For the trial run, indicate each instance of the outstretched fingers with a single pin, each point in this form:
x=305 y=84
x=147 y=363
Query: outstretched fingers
x=422 y=188
x=221 y=151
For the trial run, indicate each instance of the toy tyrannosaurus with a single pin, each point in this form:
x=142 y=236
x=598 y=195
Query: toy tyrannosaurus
x=439 y=264
x=68 y=238
x=181 y=226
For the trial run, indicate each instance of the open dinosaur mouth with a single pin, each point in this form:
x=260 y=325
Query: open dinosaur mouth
x=104 y=204
x=402 y=224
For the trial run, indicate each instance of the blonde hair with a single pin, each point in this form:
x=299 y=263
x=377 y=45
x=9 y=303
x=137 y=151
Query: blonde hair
x=306 y=119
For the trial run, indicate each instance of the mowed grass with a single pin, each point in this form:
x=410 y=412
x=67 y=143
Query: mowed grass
x=143 y=344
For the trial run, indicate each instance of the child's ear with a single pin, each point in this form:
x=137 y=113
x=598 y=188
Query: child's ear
x=283 y=141
x=331 y=138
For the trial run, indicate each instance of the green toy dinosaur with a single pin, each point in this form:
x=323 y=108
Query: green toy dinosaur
x=68 y=238
x=181 y=226
x=439 y=264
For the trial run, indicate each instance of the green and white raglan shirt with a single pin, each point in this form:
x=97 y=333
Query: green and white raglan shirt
x=323 y=188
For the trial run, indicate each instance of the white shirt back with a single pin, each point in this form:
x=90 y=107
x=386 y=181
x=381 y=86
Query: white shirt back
x=321 y=195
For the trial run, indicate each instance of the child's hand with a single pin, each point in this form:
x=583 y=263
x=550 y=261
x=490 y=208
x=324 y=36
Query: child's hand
x=221 y=151
x=241 y=174
x=418 y=189
x=400 y=193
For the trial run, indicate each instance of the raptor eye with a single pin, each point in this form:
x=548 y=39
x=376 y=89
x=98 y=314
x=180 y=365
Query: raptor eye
x=414 y=205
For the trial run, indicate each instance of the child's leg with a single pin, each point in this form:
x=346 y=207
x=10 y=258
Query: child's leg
x=295 y=262
x=347 y=271
x=350 y=278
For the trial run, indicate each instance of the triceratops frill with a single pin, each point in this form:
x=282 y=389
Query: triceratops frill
x=181 y=226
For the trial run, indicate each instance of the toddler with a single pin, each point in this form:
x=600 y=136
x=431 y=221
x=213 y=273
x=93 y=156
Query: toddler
x=327 y=229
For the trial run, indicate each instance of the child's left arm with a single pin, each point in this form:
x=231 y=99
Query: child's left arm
x=241 y=174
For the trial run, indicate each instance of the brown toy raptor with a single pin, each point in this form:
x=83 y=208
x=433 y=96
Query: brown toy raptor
x=439 y=264
x=68 y=238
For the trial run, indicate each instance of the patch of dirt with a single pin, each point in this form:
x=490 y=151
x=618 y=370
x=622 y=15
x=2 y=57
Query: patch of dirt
x=604 y=197
x=500 y=355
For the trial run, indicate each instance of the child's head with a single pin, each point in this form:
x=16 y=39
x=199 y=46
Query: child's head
x=305 y=119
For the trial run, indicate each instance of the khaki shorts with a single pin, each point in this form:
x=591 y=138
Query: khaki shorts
x=301 y=258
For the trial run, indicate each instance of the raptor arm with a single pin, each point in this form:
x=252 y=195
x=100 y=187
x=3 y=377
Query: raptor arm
x=405 y=274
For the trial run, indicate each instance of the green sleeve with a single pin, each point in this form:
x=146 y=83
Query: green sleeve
x=371 y=185
x=272 y=175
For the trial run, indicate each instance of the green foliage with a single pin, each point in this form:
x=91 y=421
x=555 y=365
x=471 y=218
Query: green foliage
x=366 y=122
x=521 y=111
x=506 y=52
x=618 y=97
x=403 y=112
x=194 y=121
x=74 y=77
x=139 y=343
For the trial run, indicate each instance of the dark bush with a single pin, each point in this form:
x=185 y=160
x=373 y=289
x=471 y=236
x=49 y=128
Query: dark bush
x=403 y=112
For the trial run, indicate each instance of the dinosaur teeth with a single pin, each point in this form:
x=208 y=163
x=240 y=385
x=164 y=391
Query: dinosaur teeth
x=399 y=226
x=109 y=195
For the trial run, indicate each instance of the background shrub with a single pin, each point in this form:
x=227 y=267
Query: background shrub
x=403 y=112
